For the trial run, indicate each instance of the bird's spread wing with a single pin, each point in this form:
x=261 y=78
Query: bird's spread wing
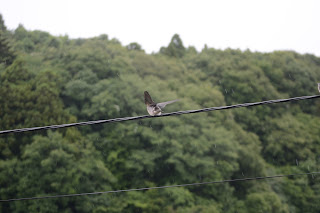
x=163 y=104
x=147 y=98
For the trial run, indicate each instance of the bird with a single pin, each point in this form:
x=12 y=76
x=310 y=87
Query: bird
x=155 y=108
x=319 y=87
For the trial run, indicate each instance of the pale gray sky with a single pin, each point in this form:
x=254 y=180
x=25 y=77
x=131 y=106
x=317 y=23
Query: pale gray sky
x=260 y=25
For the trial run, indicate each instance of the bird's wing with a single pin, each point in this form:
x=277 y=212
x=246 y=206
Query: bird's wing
x=147 y=98
x=163 y=104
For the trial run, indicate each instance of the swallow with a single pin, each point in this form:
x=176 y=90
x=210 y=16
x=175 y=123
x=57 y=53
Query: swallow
x=155 y=108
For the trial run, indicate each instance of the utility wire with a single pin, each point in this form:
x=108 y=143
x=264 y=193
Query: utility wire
x=156 y=187
x=163 y=115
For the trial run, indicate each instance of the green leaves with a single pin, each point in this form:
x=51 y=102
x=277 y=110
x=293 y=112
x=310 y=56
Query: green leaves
x=175 y=48
x=290 y=140
x=52 y=165
x=265 y=202
x=7 y=55
x=58 y=80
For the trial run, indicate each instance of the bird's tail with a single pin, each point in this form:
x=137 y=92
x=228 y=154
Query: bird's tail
x=147 y=98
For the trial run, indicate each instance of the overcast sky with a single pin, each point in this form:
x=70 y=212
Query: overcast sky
x=264 y=25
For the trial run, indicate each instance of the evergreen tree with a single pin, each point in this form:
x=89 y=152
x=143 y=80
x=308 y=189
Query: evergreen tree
x=175 y=47
x=7 y=55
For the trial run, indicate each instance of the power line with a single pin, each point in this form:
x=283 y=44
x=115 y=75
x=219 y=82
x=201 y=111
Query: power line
x=156 y=187
x=163 y=115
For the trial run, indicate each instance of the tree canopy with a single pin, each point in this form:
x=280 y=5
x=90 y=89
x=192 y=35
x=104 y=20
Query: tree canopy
x=50 y=80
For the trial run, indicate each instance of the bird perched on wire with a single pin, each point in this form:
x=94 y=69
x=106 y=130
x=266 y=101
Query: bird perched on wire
x=155 y=108
x=319 y=87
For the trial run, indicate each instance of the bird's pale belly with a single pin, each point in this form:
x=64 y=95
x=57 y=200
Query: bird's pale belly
x=152 y=111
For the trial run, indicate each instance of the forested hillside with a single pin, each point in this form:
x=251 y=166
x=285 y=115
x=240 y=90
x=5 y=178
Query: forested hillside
x=46 y=80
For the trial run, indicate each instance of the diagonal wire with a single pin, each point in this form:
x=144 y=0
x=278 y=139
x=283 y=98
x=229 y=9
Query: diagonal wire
x=157 y=187
x=163 y=115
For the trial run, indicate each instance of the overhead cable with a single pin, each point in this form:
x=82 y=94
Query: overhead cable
x=113 y=120
x=156 y=187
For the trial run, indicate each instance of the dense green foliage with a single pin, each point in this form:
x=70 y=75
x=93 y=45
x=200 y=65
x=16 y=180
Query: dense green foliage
x=52 y=80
